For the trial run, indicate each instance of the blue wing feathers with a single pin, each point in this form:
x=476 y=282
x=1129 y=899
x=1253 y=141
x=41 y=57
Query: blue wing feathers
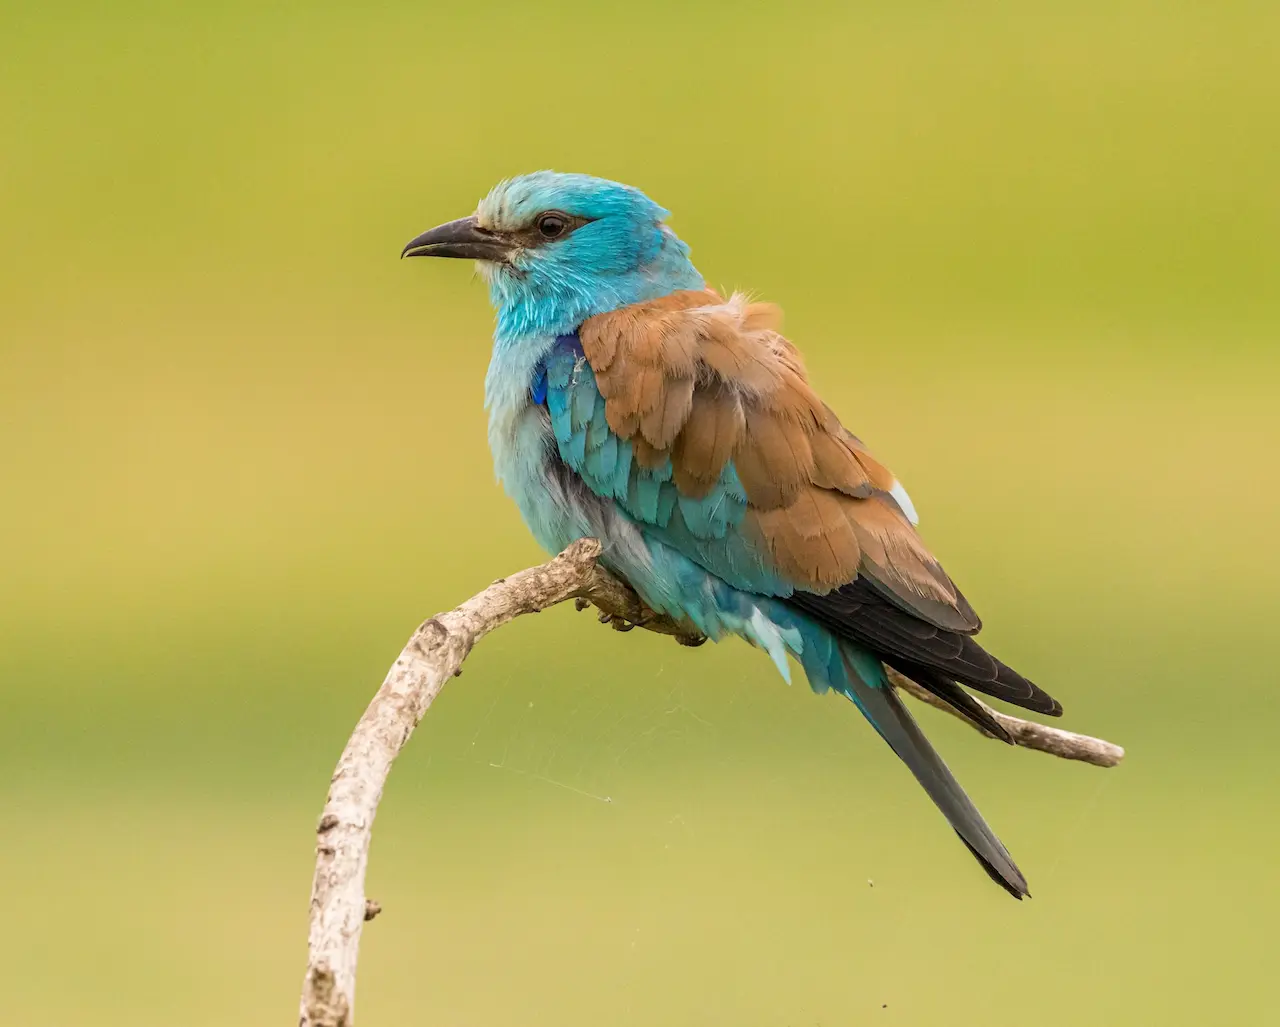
x=667 y=497
x=621 y=475
x=608 y=459
x=598 y=432
x=601 y=460
x=577 y=449
x=583 y=402
x=538 y=390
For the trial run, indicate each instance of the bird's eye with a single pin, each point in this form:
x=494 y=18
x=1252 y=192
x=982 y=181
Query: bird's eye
x=552 y=225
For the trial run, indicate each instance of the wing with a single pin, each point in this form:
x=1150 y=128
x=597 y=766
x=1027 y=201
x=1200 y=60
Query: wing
x=713 y=398
x=697 y=417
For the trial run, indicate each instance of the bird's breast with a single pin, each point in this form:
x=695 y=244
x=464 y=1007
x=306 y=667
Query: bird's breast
x=524 y=454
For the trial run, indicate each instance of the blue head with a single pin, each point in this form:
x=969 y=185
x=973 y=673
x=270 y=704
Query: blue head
x=558 y=248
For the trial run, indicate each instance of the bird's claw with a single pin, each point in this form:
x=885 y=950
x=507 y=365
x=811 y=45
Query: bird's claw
x=615 y=622
x=621 y=623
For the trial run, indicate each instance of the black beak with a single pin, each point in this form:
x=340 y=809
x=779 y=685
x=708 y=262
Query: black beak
x=462 y=238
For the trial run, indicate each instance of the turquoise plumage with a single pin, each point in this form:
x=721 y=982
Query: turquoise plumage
x=630 y=403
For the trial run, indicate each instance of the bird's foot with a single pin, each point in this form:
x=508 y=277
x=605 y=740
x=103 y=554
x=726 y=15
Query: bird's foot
x=621 y=623
x=615 y=621
x=647 y=617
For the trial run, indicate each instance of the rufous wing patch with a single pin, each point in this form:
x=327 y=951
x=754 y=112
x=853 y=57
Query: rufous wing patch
x=646 y=455
x=707 y=382
x=836 y=466
x=894 y=555
x=811 y=540
x=774 y=459
x=662 y=422
x=707 y=442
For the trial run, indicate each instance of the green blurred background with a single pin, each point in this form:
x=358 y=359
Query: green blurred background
x=1032 y=254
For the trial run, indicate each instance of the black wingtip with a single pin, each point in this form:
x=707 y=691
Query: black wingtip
x=860 y=613
x=1010 y=686
x=954 y=696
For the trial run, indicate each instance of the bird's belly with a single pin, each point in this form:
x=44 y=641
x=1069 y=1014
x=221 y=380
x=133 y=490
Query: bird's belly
x=558 y=508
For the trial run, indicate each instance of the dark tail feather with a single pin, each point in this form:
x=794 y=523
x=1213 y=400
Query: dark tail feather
x=890 y=717
x=993 y=873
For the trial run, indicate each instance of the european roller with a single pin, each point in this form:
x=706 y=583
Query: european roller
x=629 y=402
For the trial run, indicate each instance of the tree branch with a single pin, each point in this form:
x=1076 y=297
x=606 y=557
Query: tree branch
x=434 y=654
x=1027 y=733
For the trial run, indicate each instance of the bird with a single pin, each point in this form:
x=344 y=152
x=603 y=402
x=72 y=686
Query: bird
x=629 y=402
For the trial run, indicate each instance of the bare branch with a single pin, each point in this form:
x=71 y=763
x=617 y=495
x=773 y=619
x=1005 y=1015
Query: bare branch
x=1027 y=733
x=434 y=654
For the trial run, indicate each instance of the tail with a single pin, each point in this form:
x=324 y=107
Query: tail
x=880 y=704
